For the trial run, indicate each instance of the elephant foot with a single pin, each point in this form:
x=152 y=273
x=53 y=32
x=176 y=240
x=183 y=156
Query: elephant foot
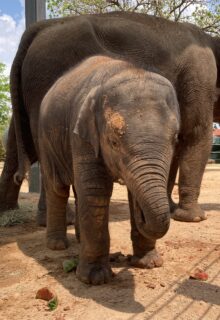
x=192 y=214
x=57 y=243
x=94 y=273
x=42 y=216
x=150 y=260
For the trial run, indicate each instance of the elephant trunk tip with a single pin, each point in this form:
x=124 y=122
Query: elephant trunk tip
x=160 y=230
x=154 y=227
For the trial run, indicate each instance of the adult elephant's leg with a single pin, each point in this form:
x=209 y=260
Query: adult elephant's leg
x=145 y=254
x=56 y=217
x=193 y=160
x=9 y=191
x=76 y=221
x=171 y=182
x=195 y=138
x=70 y=214
x=196 y=94
x=42 y=207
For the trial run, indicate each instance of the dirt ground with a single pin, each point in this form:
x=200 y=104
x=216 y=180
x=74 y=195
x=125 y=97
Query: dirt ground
x=26 y=265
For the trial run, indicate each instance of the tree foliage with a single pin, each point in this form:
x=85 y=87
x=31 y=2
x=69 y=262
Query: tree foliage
x=4 y=106
x=204 y=13
x=4 y=96
x=208 y=17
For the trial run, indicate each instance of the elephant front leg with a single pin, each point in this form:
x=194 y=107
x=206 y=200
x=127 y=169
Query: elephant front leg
x=193 y=160
x=93 y=192
x=56 y=218
x=145 y=254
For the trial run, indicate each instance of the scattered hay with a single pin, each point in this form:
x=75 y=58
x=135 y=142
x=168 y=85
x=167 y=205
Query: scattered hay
x=15 y=217
x=12 y=218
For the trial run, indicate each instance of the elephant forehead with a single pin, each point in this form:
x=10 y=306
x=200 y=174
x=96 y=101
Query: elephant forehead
x=115 y=120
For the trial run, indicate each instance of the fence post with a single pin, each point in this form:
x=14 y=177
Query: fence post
x=35 y=10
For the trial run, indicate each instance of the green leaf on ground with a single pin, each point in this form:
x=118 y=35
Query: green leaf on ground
x=53 y=303
x=69 y=265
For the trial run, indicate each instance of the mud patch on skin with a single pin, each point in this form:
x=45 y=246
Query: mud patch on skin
x=115 y=120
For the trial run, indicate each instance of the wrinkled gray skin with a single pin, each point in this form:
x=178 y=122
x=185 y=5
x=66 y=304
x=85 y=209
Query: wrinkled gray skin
x=180 y=52
x=107 y=120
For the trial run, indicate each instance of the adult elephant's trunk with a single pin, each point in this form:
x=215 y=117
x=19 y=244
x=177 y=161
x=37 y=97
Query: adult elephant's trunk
x=147 y=182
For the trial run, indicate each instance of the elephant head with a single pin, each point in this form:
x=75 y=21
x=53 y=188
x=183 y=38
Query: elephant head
x=132 y=122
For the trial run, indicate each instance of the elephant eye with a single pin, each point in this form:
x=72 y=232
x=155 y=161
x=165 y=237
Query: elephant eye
x=113 y=143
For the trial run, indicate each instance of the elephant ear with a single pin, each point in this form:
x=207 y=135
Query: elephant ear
x=86 y=127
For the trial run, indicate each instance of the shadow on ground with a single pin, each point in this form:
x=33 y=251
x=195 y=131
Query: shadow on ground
x=109 y=295
x=30 y=240
x=210 y=206
x=198 y=290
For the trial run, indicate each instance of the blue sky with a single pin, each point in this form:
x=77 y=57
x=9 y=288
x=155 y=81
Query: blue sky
x=12 y=24
x=11 y=7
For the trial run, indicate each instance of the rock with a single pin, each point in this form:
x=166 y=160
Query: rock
x=45 y=294
x=198 y=274
x=67 y=308
x=150 y=285
x=48 y=295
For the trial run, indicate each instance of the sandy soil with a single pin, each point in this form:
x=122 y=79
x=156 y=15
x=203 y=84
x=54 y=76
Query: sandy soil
x=26 y=265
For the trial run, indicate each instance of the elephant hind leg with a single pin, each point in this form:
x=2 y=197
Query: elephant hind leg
x=196 y=90
x=42 y=209
x=187 y=212
x=9 y=191
x=56 y=201
x=172 y=179
x=193 y=159
x=76 y=220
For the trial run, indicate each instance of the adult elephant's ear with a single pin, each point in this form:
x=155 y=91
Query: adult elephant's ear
x=86 y=126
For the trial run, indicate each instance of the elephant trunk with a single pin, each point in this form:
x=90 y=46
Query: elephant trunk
x=147 y=183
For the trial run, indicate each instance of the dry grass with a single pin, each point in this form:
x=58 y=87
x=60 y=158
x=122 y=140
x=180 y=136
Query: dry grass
x=24 y=214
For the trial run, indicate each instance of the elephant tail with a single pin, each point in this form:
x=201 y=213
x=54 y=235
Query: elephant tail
x=25 y=145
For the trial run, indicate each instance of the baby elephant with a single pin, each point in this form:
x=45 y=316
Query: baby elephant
x=102 y=121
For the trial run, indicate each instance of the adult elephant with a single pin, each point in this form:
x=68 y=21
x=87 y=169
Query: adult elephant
x=181 y=52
